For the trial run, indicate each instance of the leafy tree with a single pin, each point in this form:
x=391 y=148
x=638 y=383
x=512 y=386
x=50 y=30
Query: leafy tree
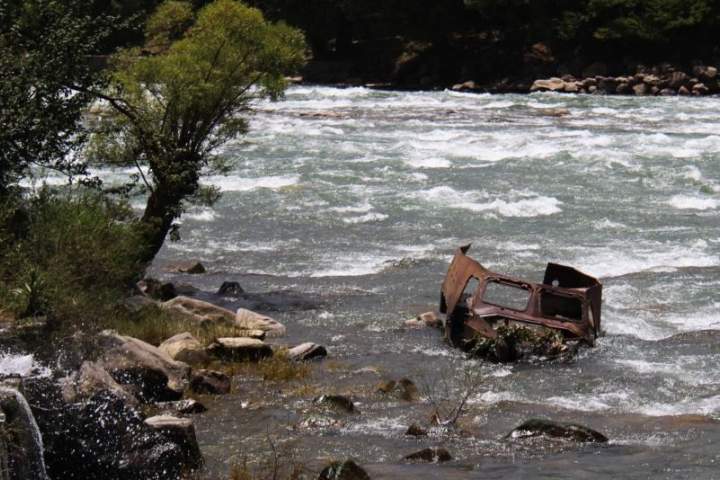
x=45 y=46
x=172 y=111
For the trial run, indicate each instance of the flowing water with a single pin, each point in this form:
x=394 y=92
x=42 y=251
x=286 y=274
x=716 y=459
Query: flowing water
x=355 y=199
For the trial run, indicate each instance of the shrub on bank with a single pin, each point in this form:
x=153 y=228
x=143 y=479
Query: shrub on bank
x=68 y=257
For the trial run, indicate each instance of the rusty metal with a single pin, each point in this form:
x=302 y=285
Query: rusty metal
x=568 y=301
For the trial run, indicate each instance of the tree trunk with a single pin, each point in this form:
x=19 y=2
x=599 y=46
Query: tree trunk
x=161 y=210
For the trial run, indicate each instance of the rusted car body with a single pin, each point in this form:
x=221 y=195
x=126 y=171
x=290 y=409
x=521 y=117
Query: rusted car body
x=477 y=301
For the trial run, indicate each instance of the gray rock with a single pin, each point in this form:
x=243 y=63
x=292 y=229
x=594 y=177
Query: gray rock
x=240 y=349
x=568 y=431
x=192 y=267
x=91 y=379
x=130 y=361
x=667 y=92
x=700 y=89
x=307 y=351
x=180 y=431
x=184 y=347
x=204 y=313
x=430 y=455
x=678 y=79
x=249 y=320
x=640 y=89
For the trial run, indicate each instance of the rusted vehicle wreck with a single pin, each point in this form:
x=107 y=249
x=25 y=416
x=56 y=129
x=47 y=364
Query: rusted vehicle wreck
x=505 y=318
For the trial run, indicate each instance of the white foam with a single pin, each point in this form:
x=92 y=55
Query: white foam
x=22 y=365
x=686 y=202
x=368 y=217
x=238 y=184
x=200 y=215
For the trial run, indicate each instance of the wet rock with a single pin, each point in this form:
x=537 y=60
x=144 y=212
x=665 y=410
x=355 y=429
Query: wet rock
x=199 y=311
x=185 y=407
x=667 y=92
x=571 y=87
x=427 y=319
x=210 y=382
x=623 y=88
x=21 y=443
x=240 y=349
x=416 y=430
x=180 y=431
x=249 y=320
x=337 y=402
x=347 y=470
x=230 y=289
x=683 y=91
x=430 y=455
x=91 y=379
x=404 y=389
x=101 y=437
x=307 y=351
x=553 y=112
x=184 y=347
x=130 y=361
x=192 y=267
x=567 y=431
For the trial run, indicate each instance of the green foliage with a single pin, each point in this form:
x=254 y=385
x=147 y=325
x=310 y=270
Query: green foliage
x=167 y=25
x=70 y=258
x=173 y=110
x=45 y=48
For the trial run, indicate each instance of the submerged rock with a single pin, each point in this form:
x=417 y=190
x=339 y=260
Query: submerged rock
x=184 y=347
x=240 y=349
x=416 y=430
x=307 y=351
x=430 y=455
x=347 y=470
x=132 y=362
x=427 y=319
x=403 y=389
x=249 y=320
x=232 y=289
x=210 y=382
x=337 y=402
x=568 y=431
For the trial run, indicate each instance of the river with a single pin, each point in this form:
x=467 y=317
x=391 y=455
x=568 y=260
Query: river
x=355 y=199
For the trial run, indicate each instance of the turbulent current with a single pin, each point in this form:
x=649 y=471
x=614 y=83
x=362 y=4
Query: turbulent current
x=357 y=198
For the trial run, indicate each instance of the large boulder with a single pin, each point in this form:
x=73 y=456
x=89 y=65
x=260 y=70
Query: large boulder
x=130 y=361
x=249 y=320
x=678 y=79
x=180 y=431
x=183 y=347
x=240 y=349
x=204 y=313
x=547 y=428
x=101 y=437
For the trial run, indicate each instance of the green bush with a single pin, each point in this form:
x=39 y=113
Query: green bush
x=68 y=256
